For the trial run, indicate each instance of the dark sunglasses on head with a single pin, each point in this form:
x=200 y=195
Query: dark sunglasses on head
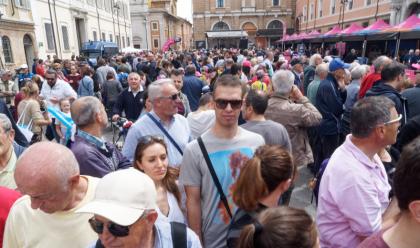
x=222 y=103
x=115 y=229
x=148 y=138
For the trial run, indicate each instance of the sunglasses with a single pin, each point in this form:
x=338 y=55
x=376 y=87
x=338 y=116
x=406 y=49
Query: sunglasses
x=222 y=103
x=149 y=138
x=171 y=97
x=115 y=229
x=49 y=79
x=398 y=119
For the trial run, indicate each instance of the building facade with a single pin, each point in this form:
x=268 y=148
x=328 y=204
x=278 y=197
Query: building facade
x=155 y=22
x=322 y=15
x=17 y=34
x=61 y=26
x=233 y=23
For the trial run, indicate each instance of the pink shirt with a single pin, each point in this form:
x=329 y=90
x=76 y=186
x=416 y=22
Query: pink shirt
x=352 y=197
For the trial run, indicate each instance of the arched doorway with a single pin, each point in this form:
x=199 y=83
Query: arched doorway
x=251 y=29
x=220 y=26
x=29 y=50
x=277 y=30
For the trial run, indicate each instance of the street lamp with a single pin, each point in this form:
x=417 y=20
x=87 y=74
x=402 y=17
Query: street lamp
x=343 y=3
x=117 y=7
x=145 y=28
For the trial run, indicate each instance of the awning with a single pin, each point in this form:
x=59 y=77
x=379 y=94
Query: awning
x=227 y=34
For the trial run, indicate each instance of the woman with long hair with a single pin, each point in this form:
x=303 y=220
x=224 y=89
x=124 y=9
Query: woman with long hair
x=283 y=227
x=29 y=111
x=271 y=171
x=151 y=157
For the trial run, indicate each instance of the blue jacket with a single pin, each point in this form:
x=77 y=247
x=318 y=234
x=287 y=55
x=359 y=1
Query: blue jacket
x=85 y=87
x=329 y=101
x=192 y=88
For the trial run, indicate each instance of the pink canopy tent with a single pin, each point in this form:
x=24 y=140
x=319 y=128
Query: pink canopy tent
x=285 y=38
x=335 y=30
x=293 y=37
x=314 y=33
x=301 y=36
x=377 y=26
x=352 y=29
x=406 y=25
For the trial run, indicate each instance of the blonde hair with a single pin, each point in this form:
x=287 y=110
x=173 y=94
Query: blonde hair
x=30 y=89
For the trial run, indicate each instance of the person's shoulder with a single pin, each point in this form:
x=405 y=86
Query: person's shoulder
x=250 y=136
x=21 y=206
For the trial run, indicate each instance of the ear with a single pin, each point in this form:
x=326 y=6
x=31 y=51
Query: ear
x=151 y=217
x=12 y=134
x=285 y=185
x=138 y=165
x=414 y=208
x=74 y=181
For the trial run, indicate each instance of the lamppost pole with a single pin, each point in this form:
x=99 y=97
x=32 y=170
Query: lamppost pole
x=117 y=7
x=145 y=29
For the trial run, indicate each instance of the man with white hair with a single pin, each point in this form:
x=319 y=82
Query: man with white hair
x=374 y=76
x=294 y=111
x=54 y=190
x=95 y=156
x=309 y=72
x=164 y=120
x=7 y=153
x=321 y=73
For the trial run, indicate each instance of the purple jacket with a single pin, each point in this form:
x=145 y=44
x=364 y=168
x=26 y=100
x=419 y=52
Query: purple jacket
x=96 y=162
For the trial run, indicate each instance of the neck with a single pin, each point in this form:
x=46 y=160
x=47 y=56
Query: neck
x=393 y=84
x=4 y=158
x=404 y=234
x=368 y=147
x=148 y=241
x=164 y=118
x=79 y=193
x=225 y=132
x=93 y=130
x=256 y=117
x=269 y=201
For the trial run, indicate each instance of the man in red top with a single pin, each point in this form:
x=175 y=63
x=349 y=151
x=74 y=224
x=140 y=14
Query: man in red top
x=375 y=76
x=8 y=197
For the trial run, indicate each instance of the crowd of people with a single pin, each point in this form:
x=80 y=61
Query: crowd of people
x=214 y=152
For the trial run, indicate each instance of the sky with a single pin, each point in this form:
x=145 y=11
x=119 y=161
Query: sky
x=185 y=9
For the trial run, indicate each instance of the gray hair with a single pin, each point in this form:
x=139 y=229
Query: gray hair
x=313 y=59
x=84 y=109
x=380 y=61
x=358 y=72
x=283 y=82
x=5 y=122
x=353 y=65
x=369 y=112
x=155 y=89
x=51 y=71
x=323 y=67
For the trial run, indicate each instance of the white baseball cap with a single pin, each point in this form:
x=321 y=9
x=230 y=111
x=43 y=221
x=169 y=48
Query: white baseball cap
x=24 y=66
x=122 y=197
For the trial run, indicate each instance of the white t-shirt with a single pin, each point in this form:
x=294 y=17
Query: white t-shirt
x=27 y=227
x=200 y=122
x=175 y=212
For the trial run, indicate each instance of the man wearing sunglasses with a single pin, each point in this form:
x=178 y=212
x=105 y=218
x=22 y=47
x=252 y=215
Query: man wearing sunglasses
x=47 y=174
x=354 y=189
x=163 y=120
x=228 y=147
x=125 y=216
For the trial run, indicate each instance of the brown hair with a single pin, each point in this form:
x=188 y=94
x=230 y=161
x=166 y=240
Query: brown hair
x=280 y=227
x=270 y=166
x=30 y=89
x=172 y=174
x=229 y=80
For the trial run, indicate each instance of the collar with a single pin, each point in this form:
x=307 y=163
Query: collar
x=140 y=89
x=360 y=155
x=277 y=95
x=11 y=164
x=98 y=142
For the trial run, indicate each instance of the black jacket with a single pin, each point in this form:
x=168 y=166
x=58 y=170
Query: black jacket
x=383 y=89
x=132 y=106
x=329 y=101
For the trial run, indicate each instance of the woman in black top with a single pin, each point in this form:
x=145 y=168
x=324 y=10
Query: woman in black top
x=261 y=182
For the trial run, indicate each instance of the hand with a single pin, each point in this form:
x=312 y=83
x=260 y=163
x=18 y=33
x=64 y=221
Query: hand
x=341 y=83
x=54 y=100
x=295 y=95
x=115 y=117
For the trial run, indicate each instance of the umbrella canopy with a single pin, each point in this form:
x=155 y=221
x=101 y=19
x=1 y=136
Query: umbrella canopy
x=285 y=38
x=314 y=33
x=352 y=29
x=375 y=27
x=335 y=30
x=406 y=25
x=293 y=37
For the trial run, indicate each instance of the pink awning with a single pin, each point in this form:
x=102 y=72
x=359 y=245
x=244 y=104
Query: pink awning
x=314 y=33
x=406 y=25
x=293 y=37
x=351 y=29
x=378 y=25
x=335 y=30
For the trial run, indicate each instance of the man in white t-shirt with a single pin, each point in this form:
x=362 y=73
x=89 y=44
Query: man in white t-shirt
x=228 y=147
x=54 y=190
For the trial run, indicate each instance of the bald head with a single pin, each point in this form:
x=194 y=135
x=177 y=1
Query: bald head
x=45 y=162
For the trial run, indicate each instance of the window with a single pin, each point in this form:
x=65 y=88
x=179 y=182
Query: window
x=155 y=43
x=350 y=4
x=95 y=36
x=123 y=41
x=110 y=38
x=220 y=26
x=365 y=24
x=305 y=10
x=276 y=24
x=332 y=7
x=91 y=2
x=7 y=49
x=49 y=36
x=128 y=41
x=320 y=8
x=155 y=26
x=22 y=3
x=117 y=39
x=311 y=11
x=368 y=2
x=103 y=37
x=220 y=3
x=65 y=37
x=276 y=2
x=107 y=6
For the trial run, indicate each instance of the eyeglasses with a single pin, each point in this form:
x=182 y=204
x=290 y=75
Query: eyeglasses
x=149 y=138
x=49 y=79
x=171 y=97
x=222 y=103
x=115 y=229
x=398 y=119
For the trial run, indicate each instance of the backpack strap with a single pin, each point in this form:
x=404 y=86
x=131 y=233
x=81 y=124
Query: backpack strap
x=214 y=176
x=179 y=234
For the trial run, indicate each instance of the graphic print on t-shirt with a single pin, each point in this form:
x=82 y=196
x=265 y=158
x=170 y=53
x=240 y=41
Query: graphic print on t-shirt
x=227 y=165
